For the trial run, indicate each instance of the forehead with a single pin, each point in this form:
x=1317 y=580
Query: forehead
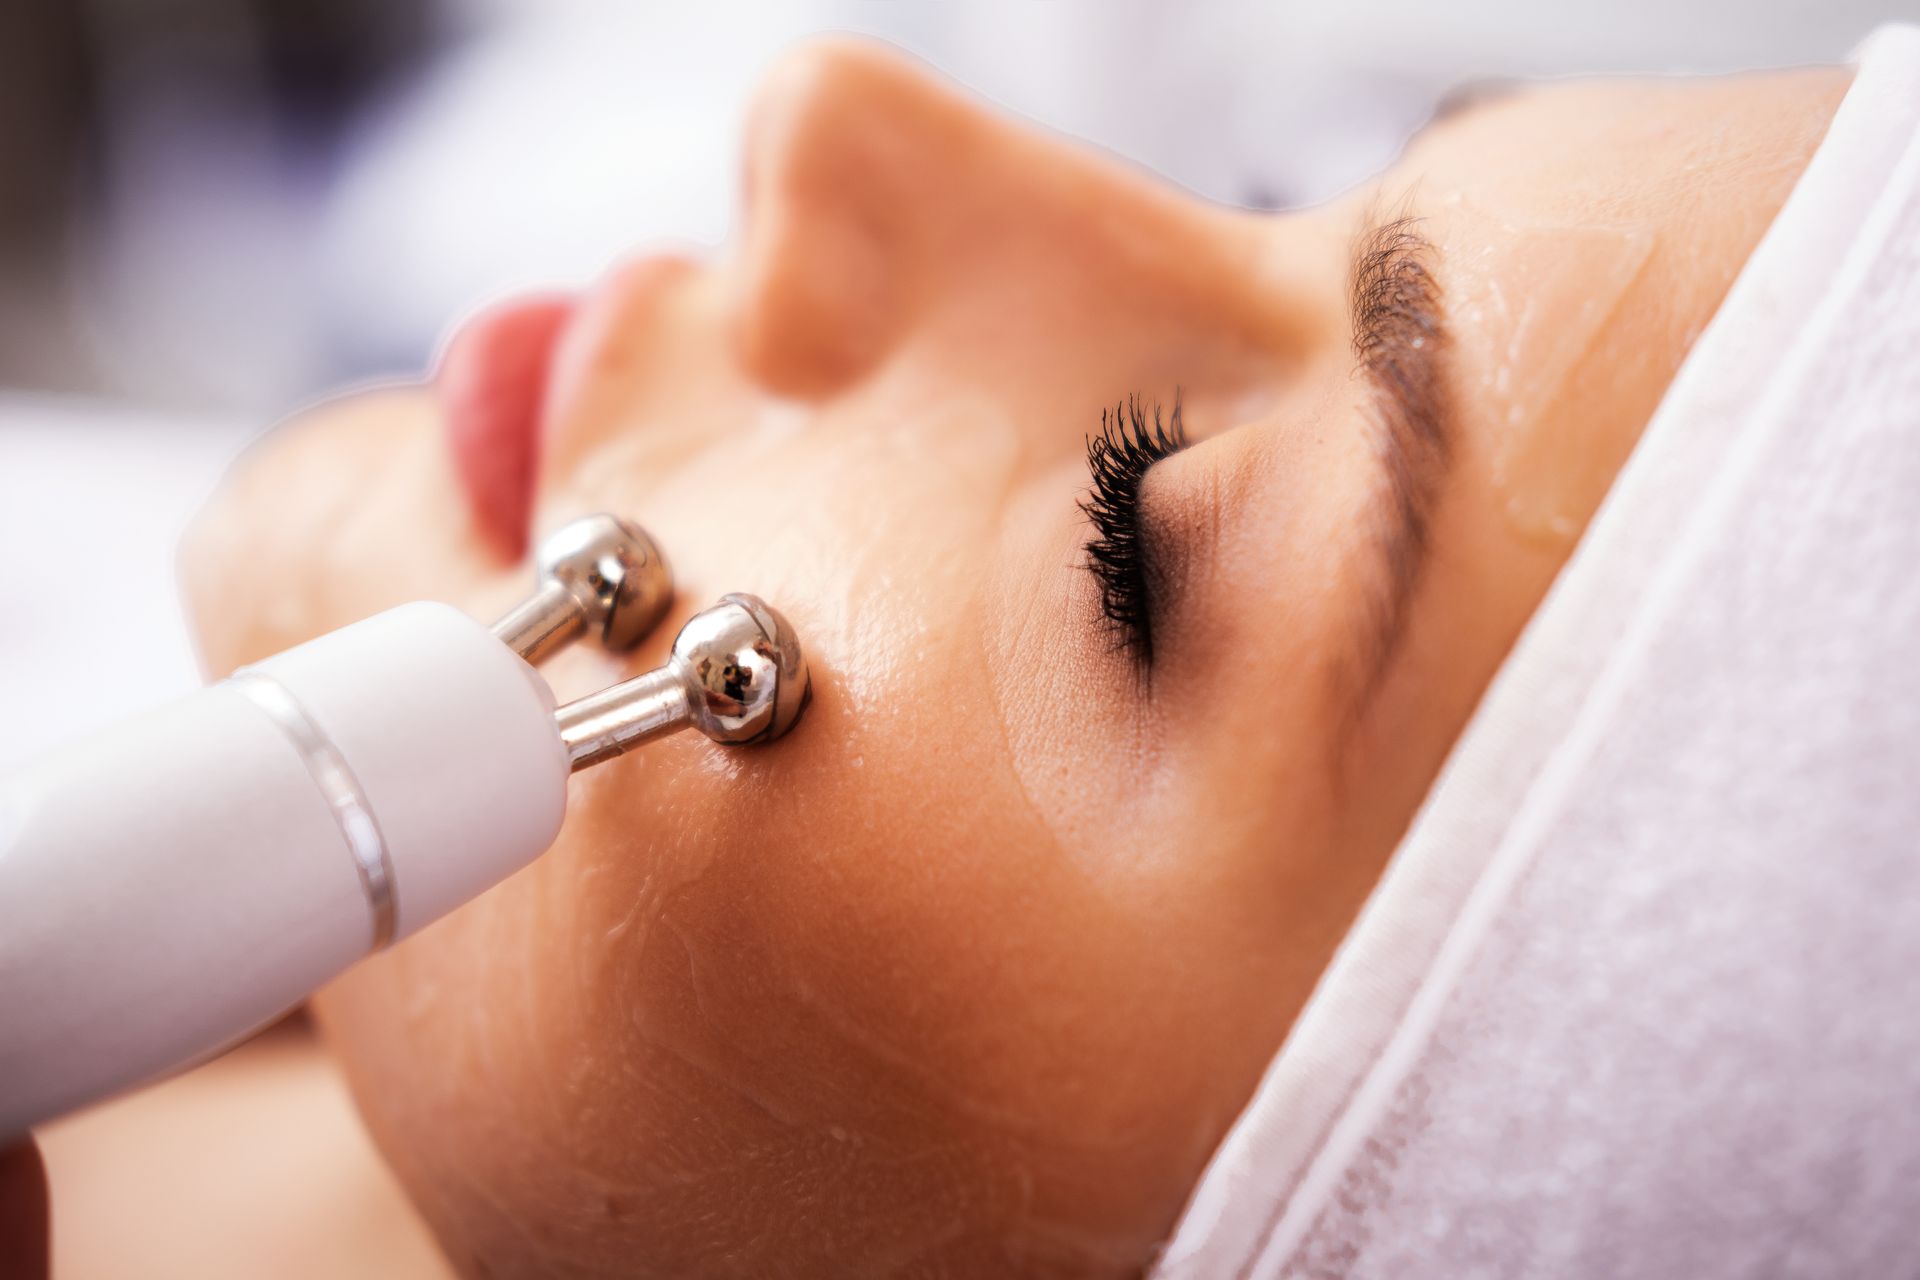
x=1579 y=150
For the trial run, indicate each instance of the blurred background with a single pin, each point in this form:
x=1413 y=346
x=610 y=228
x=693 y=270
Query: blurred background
x=213 y=210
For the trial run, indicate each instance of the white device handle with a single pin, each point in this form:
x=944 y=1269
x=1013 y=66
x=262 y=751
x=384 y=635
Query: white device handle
x=179 y=881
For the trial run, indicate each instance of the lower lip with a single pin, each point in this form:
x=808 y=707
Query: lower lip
x=492 y=381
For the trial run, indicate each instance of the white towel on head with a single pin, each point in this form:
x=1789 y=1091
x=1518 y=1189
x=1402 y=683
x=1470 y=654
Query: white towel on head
x=1639 y=995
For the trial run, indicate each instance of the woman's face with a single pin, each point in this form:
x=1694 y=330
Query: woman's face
x=972 y=971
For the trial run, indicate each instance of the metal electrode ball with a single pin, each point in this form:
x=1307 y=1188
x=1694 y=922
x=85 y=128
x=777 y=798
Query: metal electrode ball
x=745 y=675
x=598 y=574
x=616 y=573
x=737 y=674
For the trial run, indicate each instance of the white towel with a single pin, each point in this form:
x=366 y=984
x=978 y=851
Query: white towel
x=1639 y=995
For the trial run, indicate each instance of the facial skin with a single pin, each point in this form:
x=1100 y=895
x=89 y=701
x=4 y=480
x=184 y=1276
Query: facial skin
x=970 y=974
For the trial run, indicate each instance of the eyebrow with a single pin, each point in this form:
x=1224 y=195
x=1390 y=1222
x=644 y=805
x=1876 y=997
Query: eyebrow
x=1400 y=347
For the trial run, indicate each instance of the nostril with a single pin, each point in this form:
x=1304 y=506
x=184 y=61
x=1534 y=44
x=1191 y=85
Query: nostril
x=838 y=157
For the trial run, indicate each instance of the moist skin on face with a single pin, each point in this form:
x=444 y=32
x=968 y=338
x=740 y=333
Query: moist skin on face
x=1539 y=295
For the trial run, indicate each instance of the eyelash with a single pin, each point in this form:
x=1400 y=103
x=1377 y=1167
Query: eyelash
x=1118 y=459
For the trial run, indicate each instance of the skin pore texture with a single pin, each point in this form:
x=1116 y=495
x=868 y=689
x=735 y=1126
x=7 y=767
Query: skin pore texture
x=970 y=974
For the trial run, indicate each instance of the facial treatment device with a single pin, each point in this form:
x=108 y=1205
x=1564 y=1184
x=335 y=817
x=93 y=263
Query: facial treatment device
x=180 y=880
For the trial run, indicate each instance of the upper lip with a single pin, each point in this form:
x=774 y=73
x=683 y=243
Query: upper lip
x=492 y=381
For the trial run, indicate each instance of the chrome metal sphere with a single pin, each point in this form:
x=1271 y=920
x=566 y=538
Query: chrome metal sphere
x=615 y=572
x=745 y=676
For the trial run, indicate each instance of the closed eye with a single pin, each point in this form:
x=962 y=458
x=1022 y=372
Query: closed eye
x=1118 y=554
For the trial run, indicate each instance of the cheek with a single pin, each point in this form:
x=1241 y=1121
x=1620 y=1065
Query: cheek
x=733 y=976
x=730 y=958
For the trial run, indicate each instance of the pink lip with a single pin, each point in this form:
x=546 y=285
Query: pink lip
x=492 y=382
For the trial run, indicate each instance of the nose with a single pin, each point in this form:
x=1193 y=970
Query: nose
x=850 y=153
x=878 y=198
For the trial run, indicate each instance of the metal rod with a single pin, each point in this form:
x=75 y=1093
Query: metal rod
x=543 y=624
x=614 y=721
